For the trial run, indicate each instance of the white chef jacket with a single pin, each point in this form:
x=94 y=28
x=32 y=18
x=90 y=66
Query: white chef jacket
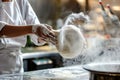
x=17 y=12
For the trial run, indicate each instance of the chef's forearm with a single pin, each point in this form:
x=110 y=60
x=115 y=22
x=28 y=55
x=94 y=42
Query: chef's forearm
x=14 y=31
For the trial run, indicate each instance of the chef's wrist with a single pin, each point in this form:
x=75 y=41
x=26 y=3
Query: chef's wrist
x=35 y=27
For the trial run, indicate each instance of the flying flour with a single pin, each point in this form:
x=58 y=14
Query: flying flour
x=71 y=41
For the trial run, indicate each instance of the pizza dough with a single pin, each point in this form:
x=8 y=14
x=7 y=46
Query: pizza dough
x=71 y=42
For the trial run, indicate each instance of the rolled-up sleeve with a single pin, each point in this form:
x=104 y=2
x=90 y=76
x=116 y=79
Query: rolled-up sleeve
x=2 y=24
x=31 y=18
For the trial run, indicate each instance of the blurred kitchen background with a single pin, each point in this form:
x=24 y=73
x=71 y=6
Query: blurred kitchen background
x=54 y=12
x=49 y=11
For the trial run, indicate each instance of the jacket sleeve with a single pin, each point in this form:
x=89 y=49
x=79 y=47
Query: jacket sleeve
x=29 y=14
x=2 y=24
x=31 y=18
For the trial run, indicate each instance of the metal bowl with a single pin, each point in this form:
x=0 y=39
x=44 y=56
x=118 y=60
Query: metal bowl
x=103 y=71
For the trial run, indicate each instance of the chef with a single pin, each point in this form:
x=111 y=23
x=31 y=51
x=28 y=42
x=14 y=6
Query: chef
x=17 y=19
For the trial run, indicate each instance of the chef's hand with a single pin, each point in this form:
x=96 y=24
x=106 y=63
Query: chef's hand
x=45 y=33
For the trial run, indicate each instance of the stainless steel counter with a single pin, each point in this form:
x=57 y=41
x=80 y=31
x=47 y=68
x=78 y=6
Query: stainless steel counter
x=65 y=73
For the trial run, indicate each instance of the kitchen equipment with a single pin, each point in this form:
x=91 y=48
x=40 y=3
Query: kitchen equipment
x=103 y=71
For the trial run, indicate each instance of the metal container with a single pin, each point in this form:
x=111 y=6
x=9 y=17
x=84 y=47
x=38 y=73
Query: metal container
x=103 y=71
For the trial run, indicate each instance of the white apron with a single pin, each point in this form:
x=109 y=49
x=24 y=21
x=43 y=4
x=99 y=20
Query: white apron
x=17 y=12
